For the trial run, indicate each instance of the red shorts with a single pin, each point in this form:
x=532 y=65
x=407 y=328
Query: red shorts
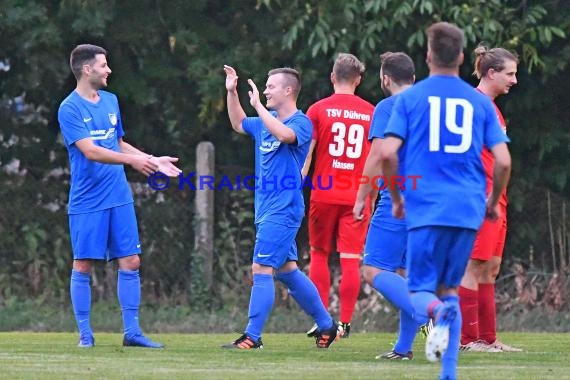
x=490 y=239
x=329 y=221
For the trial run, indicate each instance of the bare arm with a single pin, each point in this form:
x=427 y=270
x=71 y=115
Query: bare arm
x=309 y=159
x=138 y=160
x=501 y=175
x=281 y=132
x=235 y=110
x=372 y=168
x=390 y=162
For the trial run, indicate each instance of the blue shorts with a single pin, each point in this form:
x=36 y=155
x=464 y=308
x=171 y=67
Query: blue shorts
x=105 y=235
x=385 y=245
x=275 y=245
x=437 y=255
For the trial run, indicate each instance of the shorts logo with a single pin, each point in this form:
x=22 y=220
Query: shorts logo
x=113 y=119
x=262 y=255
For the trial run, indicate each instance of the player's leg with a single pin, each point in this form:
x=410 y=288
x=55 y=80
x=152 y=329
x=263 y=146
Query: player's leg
x=125 y=247
x=457 y=243
x=483 y=247
x=487 y=279
x=88 y=235
x=306 y=295
x=323 y=219
x=384 y=255
x=350 y=244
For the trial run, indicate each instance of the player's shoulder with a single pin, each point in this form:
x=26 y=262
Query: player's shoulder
x=107 y=95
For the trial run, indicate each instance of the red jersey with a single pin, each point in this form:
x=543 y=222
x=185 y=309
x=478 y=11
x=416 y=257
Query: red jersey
x=341 y=124
x=489 y=162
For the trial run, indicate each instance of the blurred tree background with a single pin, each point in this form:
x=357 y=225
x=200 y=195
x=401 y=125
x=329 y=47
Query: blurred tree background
x=167 y=58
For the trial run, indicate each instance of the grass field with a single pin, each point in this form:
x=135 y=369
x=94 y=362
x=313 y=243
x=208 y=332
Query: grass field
x=26 y=355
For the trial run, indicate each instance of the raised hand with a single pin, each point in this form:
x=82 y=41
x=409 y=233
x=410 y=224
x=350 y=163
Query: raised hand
x=165 y=164
x=231 y=78
x=253 y=94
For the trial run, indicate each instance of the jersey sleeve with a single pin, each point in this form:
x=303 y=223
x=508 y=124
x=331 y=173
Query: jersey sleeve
x=494 y=134
x=252 y=126
x=302 y=127
x=71 y=123
x=398 y=123
x=379 y=121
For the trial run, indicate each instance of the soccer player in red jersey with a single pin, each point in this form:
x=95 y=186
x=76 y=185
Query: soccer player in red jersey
x=496 y=69
x=341 y=123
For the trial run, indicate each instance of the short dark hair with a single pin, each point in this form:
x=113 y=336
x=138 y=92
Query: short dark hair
x=445 y=41
x=398 y=66
x=292 y=78
x=347 y=67
x=81 y=55
x=495 y=58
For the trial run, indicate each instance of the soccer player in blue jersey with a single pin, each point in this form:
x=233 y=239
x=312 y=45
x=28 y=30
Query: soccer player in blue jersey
x=282 y=135
x=385 y=251
x=102 y=219
x=445 y=125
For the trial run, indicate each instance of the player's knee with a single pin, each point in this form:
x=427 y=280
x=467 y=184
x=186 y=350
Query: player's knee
x=83 y=266
x=132 y=262
x=368 y=273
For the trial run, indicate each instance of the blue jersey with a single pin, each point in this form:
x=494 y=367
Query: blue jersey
x=278 y=194
x=95 y=186
x=378 y=125
x=445 y=124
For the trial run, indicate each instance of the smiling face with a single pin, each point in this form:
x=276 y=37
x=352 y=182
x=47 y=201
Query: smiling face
x=97 y=72
x=503 y=80
x=276 y=92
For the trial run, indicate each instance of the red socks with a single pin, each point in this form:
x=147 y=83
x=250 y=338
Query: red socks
x=320 y=275
x=349 y=288
x=469 y=305
x=487 y=313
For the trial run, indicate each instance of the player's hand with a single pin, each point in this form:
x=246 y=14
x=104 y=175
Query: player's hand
x=144 y=165
x=165 y=164
x=398 y=210
x=492 y=212
x=231 y=78
x=358 y=210
x=253 y=94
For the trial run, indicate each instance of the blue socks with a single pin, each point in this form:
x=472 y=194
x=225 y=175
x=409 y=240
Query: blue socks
x=260 y=304
x=406 y=335
x=129 y=294
x=451 y=356
x=80 y=291
x=395 y=289
x=305 y=293
x=426 y=303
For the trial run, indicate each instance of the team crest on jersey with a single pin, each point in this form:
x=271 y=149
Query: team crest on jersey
x=113 y=119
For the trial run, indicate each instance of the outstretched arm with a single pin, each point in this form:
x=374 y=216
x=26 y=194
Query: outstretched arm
x=235 y=110
x=164 y=164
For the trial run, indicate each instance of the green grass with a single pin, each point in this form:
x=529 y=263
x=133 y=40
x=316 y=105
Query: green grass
x=26 y=355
